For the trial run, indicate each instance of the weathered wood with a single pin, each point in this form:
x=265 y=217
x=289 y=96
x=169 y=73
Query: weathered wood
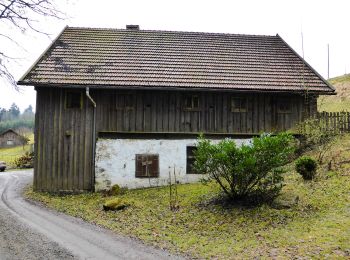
x=63 y=137
x=63 y=144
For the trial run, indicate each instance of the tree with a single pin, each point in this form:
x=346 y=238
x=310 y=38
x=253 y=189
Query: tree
x=21 y=15
x=29 y=109
x=28 y=113
x=14 y=111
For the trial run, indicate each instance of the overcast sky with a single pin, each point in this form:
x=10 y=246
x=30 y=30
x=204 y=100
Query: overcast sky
x=322 y=22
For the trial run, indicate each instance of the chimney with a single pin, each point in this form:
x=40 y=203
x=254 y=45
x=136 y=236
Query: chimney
x=132 y=27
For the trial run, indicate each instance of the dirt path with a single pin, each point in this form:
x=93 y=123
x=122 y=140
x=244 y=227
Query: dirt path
x=31 y=232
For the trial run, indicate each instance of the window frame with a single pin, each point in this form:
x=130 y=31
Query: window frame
x=68 y=98
x=139 y=173
x=10 y=142
x=240 y=108
x=190 y=159
x=194 y=100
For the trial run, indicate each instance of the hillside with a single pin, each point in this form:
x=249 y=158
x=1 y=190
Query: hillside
x=339 y=102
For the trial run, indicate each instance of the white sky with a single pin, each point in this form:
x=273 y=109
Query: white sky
x=322 y=22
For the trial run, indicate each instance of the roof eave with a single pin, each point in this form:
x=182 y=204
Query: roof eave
x=148 y=87
x=307 y=64
x=40 y=57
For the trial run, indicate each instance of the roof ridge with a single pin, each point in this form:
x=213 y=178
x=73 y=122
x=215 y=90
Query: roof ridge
x=171 y=31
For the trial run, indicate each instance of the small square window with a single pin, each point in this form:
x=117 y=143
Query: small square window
x=284 y=107
x=191 y=102
x=74 y=99
x=190 y=159
x=10 y=142
x=238 y=104
x=147 y=165
x=125 y=101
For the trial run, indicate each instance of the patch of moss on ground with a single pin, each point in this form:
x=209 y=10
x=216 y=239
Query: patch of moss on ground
x=313 y=221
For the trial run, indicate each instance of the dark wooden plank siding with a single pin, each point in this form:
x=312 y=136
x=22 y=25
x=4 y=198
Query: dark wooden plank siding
x=63 y=144
x=163 y=111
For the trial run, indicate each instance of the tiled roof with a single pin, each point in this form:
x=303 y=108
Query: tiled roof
x=141 y=58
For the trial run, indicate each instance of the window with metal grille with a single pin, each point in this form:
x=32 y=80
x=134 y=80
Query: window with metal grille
x=125 y=101
x=147 y=165
x=238 y=104
x=74 y=99
x=191 y=102
x=190 y=150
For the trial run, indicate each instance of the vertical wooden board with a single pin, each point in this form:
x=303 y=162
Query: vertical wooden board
x=88 y=128
x=139 y=112
x=80 y=147
x=45 y=145
x=178 y=112
x=255 y=114
x=165 y=112
x=147 y=112
x=268 y=114
x=50 y=171
x=55 y=137
x=88 y=124
x=154 y=112
x=217 y=115
x=132 y=122
x=41 y=162
x=236 y=122
x=159 y=97
x=230 y=116
x=172 y=112
x=66 y=155
x=249 y=118
x=36 y=140
x=75 y=153
x=225 y=113
x=203 y=114
x=61 y=147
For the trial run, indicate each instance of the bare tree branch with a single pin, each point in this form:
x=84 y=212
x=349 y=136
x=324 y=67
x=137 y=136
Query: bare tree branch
x=21 y=15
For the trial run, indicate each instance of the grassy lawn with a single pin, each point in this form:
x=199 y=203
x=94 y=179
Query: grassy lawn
x=10 y=154
x=339 y=102
x=309 y=219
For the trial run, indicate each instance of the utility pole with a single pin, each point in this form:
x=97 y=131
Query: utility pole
x=328 y=58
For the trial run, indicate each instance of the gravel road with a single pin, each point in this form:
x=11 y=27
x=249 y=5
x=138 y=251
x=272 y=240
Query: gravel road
x=28 y=231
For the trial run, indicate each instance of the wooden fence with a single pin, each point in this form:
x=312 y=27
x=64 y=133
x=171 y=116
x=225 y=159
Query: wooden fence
x=335 y=121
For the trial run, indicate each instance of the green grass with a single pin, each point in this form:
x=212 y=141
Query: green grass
x=341 y=79
x=339 y=102
x=309 y=219
x=10 y=154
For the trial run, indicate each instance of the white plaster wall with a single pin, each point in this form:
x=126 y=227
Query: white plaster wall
x=115 y=161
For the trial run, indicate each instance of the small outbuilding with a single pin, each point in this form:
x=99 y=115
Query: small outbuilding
x=11 y=138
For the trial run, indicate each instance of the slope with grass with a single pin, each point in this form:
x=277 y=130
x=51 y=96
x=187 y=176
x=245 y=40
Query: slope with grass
x=309 y=219
x=339 y=102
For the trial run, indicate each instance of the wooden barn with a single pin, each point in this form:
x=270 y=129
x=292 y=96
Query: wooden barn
x=126 y=105
x=11 y=138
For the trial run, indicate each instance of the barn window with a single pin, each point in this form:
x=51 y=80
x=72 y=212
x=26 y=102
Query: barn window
x=190 y=159
x=125 y=101
x=238 y=104
x=284 y=106
x=191 y=102
x=74 y=99
x=10 y=142
x=147 y=165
